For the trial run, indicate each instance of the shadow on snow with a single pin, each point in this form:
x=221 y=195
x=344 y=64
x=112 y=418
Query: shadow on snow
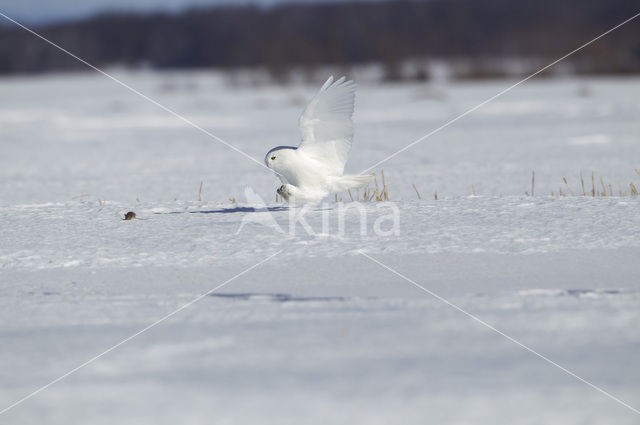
x=230 y=210
x=278 y=297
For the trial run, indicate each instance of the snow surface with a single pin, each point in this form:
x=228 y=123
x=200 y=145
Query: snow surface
x=319 y=334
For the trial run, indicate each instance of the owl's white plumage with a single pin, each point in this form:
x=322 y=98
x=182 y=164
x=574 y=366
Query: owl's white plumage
x=315 y=168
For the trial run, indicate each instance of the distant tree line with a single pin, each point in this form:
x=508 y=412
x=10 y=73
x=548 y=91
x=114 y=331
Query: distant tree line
x=307 y=35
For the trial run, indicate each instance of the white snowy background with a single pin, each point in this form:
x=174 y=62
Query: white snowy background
x=319 y=334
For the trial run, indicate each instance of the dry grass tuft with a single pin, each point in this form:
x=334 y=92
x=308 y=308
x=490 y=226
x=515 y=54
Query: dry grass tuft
x=533 y=182
x=416 y=189
x=376 y=192
x=369 y=194
x=385 y=191
x=568 y=187
x=604 y=188
x=607 y=189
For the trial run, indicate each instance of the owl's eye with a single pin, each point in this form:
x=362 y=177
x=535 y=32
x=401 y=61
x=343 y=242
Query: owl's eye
x=273 y=158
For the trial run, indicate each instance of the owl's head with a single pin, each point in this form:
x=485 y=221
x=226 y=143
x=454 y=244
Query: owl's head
x=278 y=157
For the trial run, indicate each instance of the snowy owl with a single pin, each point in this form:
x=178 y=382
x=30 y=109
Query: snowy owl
x=315 y=169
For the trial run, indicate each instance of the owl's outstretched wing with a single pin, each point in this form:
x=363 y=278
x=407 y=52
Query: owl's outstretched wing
x=326 y=124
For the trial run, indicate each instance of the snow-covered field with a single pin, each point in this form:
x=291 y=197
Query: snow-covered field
x=319 y=333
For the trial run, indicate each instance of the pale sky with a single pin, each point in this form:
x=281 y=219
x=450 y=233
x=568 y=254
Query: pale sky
x=37 y=11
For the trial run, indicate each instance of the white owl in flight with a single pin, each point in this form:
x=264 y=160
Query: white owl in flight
x=315 y=169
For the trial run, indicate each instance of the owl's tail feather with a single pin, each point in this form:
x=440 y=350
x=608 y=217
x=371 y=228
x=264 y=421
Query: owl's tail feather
x=350 y=181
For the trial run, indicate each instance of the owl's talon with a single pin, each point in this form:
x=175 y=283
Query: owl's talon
x=285 y=191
